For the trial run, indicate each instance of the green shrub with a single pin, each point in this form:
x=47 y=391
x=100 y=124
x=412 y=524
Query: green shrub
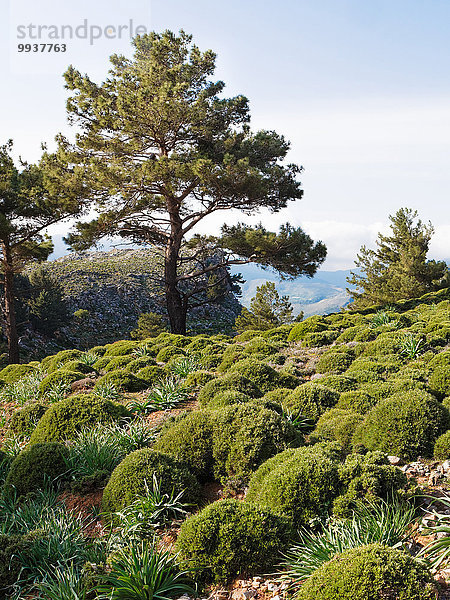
x=339 y=383
x=246 y=435
x=118 y=362
x=121 y=348
x=442 y=446
x=150 y=374
x=279 y=333
x=64 y=419
x=123 y=380
x=370 y=572
x=313 y=324
x=190 y=440
x=439 y=382
x=102 y=363
x=278 y=395
x=385 y=343
x=348 y=335
x=230 y=538
x=169 y=352
x=78 y=366
x=60 y=377
x=25 y=419
x=322 y=338
x=336 y=425
x=261 y=374
x=335 y=361
x=11 y=548
x=199 y=378
x=439 y=360
x=129 y=479
x=136 y=364
x=233 y=381
x=35 y=466
x=13 y=373
x=406 y=424
x=199 y=342
x=60 y=359
x=247 y=335
x=230 y=356
x=227 y=443
x=300 y=484
x=367 y=477
x=310 y=400
x=358 y=401
x=228 y=397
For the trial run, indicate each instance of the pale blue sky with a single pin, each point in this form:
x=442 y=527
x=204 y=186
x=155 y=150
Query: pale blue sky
x=360 y=88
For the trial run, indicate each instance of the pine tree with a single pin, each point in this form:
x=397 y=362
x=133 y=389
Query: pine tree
x=164 y=149
x=267 y=310
x=31 y=199
x=398 y=268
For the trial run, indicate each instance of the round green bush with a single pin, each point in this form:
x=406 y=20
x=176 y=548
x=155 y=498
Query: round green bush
x=246 y=435
x=384 y=344
x=261 y=374
x=169 y=352
x=198 y=343
x=78 y=367
x=278 y=395
x=279 y=333
x=52 y=363
x=310 y=400
x=442 y=446
x=102 y=363
x=258 y=345
x=64 y=419
x=190 y=440
x=358 y=401
x=230 y=356
x=439 y=382
x=121 y=348
x=230 y=538
x=199 y=378
x=442 y=359
x=123 y=380
x=406 y=424
x=336 y=425
x=13 y=373
x=300 y=484
x=136 y=364
x=118 y=362
x=370 y=572
x=322 y=338
x=339 y=383
x=227 y=398
x=367 y=477
x=25 y=419
x=150 y=374
x=35 y=466
x=335 y=361
x=130 y=477
x=59 y=377
x=232 y=381
x=313 y=324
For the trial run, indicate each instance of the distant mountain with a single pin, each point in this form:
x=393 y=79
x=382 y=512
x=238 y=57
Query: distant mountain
x=322 y=294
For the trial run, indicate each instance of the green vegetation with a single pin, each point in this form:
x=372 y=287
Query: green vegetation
x=366 y=572
x=230 y=538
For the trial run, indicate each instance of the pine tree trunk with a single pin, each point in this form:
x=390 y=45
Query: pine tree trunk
x=10 y=311
x=175 y=303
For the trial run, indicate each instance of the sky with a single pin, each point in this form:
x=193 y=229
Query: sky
x=361 y=90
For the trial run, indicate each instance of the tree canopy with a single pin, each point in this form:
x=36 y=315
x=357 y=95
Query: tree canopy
x=32 y=198
x=164 y=150
x=398 y=268
x=267 y=310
